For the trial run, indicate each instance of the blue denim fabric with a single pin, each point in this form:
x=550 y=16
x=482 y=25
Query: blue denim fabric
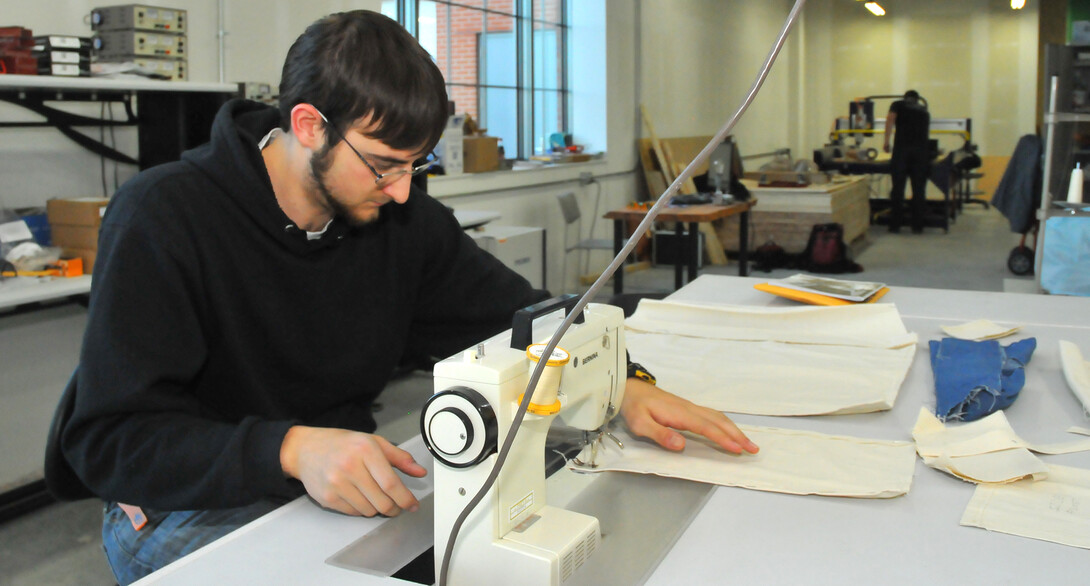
x=974 y=379
x=167 y=536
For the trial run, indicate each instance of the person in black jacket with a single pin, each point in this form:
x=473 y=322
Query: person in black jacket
x=251 y=301
x=909 y=123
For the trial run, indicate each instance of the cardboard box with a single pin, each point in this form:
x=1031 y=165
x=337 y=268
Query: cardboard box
x=68 y=236
x=480 y=154
x=82 y=211
x=86 y=255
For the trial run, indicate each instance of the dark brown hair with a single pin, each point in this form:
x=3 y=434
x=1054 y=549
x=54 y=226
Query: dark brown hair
x=356 y=64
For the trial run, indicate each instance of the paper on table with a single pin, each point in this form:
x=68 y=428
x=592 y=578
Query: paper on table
x=838 y=288
x=773 y=378
x=790 y=461
x=980 y=329
x=876 y=325
x=1051 y=510
x=1077 y=372
x=986 y=450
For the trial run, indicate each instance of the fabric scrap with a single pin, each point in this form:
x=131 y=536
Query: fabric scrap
x=973 y=379
x=1050 y=510
x=1077 y=372
x=774 y=378
x=980 y=329
x=790 y=461
x=876 y=325
x=983 y=451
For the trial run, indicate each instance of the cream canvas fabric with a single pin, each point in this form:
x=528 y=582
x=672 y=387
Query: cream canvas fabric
x=775 y=361
x=983 y=451
x=790 y=461
x=774 y=378
x=978 y=330
x=876 y=325
x=1077 y=372
x=1051 y=510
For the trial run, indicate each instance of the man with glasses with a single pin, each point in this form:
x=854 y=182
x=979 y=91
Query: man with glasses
x=252 y=300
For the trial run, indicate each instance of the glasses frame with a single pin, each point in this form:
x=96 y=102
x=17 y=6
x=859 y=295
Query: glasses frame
x=382 y=179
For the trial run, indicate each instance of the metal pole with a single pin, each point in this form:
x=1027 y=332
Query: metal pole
x=1046 y=179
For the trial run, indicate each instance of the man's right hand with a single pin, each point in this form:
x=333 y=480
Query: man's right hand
x=349 y=471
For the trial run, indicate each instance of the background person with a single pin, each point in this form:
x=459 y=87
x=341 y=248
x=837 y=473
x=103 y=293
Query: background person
x=909 y=123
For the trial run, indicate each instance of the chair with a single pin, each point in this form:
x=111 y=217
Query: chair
x=570 y=208
x=60 y=479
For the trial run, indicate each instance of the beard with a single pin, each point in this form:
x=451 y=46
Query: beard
x=320 y=162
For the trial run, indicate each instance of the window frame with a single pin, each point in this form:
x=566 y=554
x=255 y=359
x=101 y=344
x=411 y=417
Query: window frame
x=526 y=85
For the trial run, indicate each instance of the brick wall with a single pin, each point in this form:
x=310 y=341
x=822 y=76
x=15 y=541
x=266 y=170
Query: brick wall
x=458 y=44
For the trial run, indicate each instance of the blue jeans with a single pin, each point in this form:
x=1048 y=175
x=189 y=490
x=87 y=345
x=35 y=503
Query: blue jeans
x=167 y=536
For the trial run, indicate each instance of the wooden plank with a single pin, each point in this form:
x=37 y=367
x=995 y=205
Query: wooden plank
x=664 y=163
x=652 y=171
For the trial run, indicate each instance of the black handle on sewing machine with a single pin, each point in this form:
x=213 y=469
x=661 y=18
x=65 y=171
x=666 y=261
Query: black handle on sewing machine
x=522 y=324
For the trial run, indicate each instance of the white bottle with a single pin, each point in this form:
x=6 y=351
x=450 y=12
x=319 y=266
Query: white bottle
x=1074 y=190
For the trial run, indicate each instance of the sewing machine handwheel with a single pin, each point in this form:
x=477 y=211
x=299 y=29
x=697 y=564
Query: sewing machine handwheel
x=459 y=427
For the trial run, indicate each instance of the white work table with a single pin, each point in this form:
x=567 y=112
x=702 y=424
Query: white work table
x=750 y=537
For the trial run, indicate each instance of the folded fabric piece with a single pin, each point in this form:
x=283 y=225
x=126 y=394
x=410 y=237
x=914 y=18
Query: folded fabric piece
x=774 y=378
x=790 y=461
x=980 y=329
x=876 y=325
x=1051 y=510
x=973 y=379
x=986 y=451
x=1077 y=372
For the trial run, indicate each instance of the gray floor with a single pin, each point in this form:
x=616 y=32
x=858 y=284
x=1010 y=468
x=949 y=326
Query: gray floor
x=60 y=545
x=971 y=256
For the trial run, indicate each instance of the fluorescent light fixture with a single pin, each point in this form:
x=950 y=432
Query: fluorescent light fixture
x=1018 y=4
x=877 y=10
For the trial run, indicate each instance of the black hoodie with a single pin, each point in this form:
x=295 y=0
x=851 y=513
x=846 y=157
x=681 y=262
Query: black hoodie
x=215 y=325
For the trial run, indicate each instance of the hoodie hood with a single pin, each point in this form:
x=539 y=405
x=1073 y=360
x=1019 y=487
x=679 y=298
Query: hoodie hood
x=233 y=161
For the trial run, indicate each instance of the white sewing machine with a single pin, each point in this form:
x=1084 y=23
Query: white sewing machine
x=512 y=531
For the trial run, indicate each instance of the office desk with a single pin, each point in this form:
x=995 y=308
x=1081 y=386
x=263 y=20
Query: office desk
x=692 y=215
x=751 y=537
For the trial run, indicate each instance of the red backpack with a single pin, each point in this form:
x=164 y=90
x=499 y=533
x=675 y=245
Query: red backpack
x=826 y=252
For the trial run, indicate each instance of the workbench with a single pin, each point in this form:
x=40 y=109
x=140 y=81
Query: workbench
x=681 y=216
x=170 y=116
x=41 y=329
x=787 y=214
x=744 y=536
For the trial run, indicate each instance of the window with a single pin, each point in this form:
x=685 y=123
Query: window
x=505 y=63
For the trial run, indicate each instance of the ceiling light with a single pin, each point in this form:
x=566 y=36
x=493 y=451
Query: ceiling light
x=1018 y=4
x=877 y=10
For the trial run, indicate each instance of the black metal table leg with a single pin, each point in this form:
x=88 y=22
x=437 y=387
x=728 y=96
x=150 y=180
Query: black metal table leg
x=679 y=249
x=743 y=245
x=694 y=250
x=618 y=243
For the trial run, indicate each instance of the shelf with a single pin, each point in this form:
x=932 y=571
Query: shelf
x=21 y=290
x=1067 y=117
x=95 y=84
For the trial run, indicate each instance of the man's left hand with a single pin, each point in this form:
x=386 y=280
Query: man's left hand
x=656 y=414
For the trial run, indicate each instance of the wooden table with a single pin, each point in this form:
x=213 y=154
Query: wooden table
x=691 y=215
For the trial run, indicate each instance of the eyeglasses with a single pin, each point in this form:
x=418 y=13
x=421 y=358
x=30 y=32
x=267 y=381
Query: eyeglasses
x=383 y=179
